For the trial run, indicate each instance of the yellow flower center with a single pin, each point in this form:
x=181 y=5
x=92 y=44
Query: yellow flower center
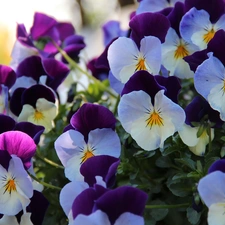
x=141 y=64
x=181 y=52
x=10 y=186
x=38 y=115
x=88 y=153
x=154 y=119
x=208 y=36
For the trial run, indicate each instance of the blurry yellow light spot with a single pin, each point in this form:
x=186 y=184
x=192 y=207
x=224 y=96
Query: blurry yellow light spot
x=154 y=119
x=181 y=52
x=208 y=36
x=141 y=64
x=38 y=115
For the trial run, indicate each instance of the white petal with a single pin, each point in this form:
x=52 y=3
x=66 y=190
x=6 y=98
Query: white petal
x=8 y=220
x=151 y=49
x=25 y=219
x=125 y=57
x=69 y=144
x=96 y=218
x=68 y=194
x=220 y=24
x=129 y=219
x=104 y=142
x=26 y=112
x=216 y=214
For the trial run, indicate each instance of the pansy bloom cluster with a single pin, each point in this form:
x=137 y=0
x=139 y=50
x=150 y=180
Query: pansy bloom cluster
x=142 y=142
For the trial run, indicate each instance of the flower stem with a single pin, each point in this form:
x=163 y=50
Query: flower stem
x=50 y=162
x=167 y=206
x=44 y=183
x=74 y=65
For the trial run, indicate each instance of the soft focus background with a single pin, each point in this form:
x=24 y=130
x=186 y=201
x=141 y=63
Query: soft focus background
x=87 y=16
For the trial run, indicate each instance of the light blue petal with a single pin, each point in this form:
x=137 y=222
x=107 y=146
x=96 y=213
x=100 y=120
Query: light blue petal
x=211 y=188
x=208 y=75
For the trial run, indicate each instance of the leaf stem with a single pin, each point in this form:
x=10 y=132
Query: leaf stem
x=183 y=205
x=44 y=183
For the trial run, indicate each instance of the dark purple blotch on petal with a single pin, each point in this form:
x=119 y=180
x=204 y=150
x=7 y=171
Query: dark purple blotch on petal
x=149 y=24
x=102 y=165
x=34 y=131
x=198 y=109
x=143 y=80
x=19 y=144
x=196 y=59
x=84 y=203
x=215 y=8
x=172 y=85
x=217 y=45
x=32 y=94
x=120 y=200
x=7 y=76
x=176 y=15
x=90 y=117
x=16 y=101
x=7 y=123
x=31 y=67
x=56 y=71
x=65 y=30
x=4 y=158
x=218 y=165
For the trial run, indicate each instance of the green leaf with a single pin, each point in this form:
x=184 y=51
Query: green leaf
x=163 y=162
x=158 y=214
x=193 y=216
x=187 y=162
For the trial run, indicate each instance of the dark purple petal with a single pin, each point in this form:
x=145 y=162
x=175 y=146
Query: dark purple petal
x=111 y=175
x=217 y=46
x=50 y=49
x=85 y=201
x=7 y=76
x=172 y=85
x=32 y=94
x=19 y=144
x=68 y=127
x=147 y=24
x=99 y=73
x=43 y=26
x=23 y=36
x=73 y=51
x=37 y=207
x=65 y=30
x=7 y=123
x=218 y=165
x=90 y=117
x=16 y=101
x=34 y=131
x=215 y=8
x=199 y=108
x=176 y=15
x=99 y=166
x=142 y=80
x=31 y=67
x=120 y=200
x=4 y=159
x=57 y=72
x=196 y=59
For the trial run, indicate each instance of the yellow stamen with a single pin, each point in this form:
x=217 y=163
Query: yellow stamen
x=38 y=115
x=87 y=154
x=181 y=52
x=208 y=36
x=154 y=119
x=10 y=186
x=141 y=64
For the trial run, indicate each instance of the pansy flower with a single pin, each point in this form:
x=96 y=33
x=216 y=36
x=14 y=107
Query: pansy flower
x=175 y=48
x=16 y=187
x=194 y=133
x=153 y=117
x=199 y=25
x=36 y=104
x=98 y=202
x=88 y=135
